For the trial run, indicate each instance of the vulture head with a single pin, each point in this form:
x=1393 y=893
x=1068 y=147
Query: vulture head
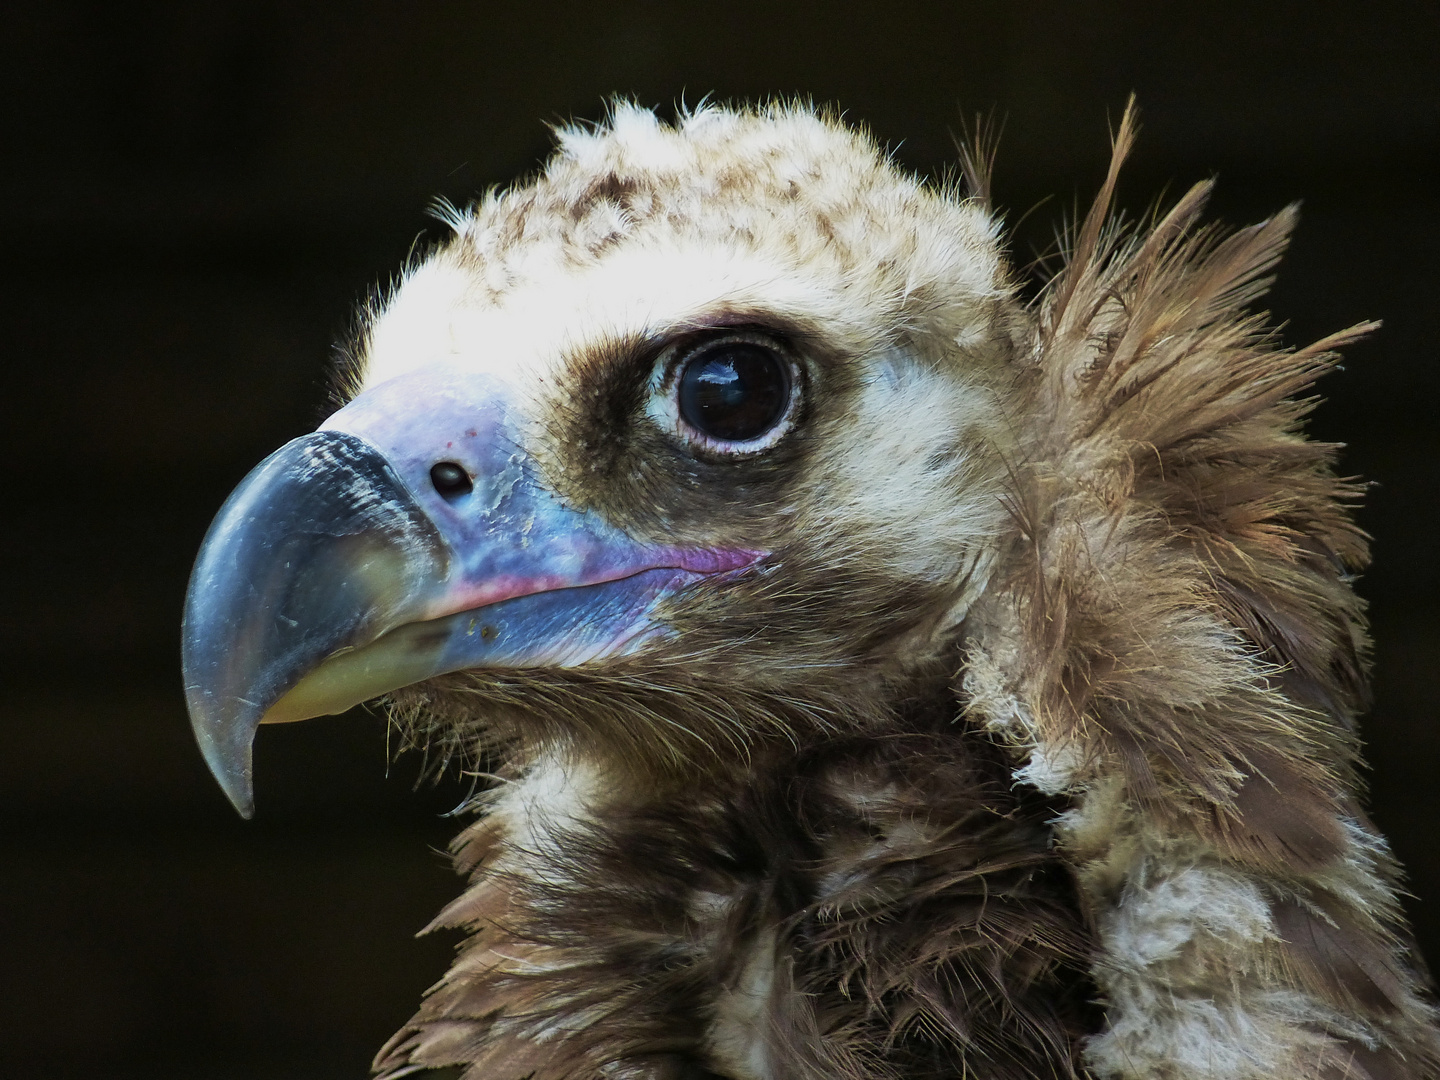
x=697 y=441
x=883 y=674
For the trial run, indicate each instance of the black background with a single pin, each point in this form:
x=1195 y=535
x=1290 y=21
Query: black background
x=194 y=194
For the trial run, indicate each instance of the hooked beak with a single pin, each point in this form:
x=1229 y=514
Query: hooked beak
x=337 y=572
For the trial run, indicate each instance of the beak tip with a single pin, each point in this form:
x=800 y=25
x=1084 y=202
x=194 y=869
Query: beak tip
x=244 y=803
x=226 y=744
x=233 y=773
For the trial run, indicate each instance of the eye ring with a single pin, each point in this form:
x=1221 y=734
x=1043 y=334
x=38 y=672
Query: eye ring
x=732 y=393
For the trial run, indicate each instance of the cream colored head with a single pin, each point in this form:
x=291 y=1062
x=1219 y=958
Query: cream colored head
x=894 y=293
x=842 y=535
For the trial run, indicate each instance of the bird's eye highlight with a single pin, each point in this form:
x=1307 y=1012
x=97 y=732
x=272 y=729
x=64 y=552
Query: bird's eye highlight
x=735 y=393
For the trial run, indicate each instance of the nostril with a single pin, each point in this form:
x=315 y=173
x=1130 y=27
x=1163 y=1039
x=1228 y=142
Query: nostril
x=450 y=480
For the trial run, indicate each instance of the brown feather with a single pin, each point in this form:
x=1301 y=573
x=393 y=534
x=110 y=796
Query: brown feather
x=923 y=929
x=1176 y=620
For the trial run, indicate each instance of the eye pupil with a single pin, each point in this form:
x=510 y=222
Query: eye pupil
x=735 y=391
x=450 y=480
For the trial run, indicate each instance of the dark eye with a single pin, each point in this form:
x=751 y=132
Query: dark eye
x=734 y=391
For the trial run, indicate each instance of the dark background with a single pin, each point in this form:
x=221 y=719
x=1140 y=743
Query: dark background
x=193 y=195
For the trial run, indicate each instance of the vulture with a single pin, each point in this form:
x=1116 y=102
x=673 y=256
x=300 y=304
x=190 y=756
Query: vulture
x=874 y=667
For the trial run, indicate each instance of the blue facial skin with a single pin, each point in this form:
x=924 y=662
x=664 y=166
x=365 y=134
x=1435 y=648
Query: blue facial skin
x=338 y=555
x=508 y=535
